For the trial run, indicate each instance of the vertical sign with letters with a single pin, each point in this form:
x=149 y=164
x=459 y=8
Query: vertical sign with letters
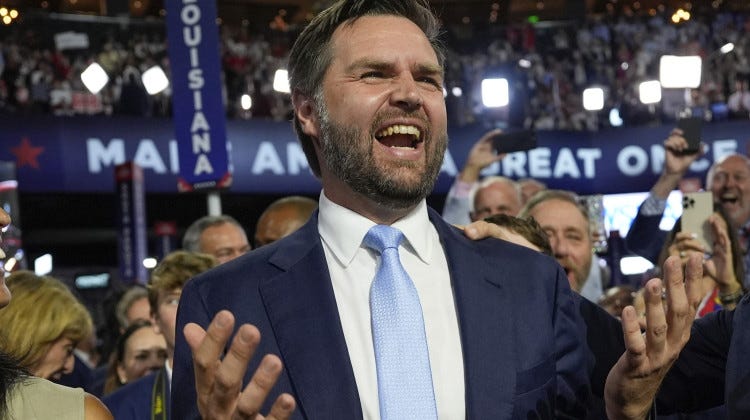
x=131 y=222
x=197 y=105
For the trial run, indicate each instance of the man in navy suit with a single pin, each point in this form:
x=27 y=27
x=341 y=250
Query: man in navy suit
x=504 y=334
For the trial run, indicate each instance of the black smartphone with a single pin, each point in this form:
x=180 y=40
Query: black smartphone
x=514 y=141
x=691 y=130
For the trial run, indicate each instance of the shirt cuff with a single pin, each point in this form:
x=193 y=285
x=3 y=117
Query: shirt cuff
x=653 y=205
x=462 y=189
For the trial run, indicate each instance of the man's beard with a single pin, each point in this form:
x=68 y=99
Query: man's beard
x=348 y=154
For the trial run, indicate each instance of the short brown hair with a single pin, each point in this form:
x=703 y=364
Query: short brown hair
x=174 y=271
x=546 y=195
x=528 y=228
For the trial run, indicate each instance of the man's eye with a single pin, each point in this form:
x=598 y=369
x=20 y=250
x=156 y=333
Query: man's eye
x=372 y=75
x=431 y=81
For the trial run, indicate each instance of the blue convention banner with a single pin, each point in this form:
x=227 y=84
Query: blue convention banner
x=198 y=109
x=73 y=155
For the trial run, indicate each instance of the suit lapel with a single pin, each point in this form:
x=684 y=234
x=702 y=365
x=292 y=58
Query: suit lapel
x=485 y=319
x=302 y=310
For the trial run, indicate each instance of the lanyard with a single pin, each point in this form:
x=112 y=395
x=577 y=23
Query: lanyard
x=159 y=396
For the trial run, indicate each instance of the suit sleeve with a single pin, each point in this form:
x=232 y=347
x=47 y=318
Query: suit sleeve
x=190 y=309
x=696 y=381
x=574 y=362
x=644 y=237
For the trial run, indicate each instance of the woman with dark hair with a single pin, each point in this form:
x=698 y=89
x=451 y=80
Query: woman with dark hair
x=139 y=351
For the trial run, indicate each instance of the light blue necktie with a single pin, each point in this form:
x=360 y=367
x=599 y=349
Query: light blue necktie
x=401 y=356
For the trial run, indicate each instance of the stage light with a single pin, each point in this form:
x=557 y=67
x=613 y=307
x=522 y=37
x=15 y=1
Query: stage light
x=43 y=265
x=680 y=71
x=593 y=99
x=727 y=48
x=246 y=102
x=94 y=78
x=149 y=262
x=154 y=80
x=495 y=93
x=634 y=265
x=615 y=120
x=281 y=81
x=457 y=91
x=649 y=92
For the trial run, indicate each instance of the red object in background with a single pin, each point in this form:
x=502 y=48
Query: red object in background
x=162 y=228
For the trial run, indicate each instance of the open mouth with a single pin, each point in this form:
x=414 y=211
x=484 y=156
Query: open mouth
x=400 y=136
x=728 y=198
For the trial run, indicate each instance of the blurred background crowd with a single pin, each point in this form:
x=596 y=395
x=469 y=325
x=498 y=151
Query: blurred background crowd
x=548 y=64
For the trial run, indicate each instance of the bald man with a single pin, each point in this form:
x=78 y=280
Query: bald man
x=282 y=217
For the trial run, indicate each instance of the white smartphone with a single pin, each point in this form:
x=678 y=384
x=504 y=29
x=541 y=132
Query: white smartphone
x=696 y=208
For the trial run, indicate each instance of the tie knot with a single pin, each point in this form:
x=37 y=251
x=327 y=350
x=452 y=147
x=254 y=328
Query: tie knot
x=381 y=237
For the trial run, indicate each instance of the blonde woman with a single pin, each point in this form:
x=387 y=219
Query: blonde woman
x=40 y=327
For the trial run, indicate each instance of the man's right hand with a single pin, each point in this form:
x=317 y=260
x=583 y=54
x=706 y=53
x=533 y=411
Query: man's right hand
x=481 y=155
x=634 y=380
x=676 y=163
x=218 y=383
x=675 y=160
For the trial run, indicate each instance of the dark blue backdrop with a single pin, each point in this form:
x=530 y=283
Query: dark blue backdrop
x=71 y=155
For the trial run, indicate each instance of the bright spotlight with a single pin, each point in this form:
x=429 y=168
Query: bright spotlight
x=281 y=81
x=615 y=120
x=727 y=48
x=680 y=71
x=43 y=265
x=593 y=99
x=634 y=265
x=94 y=78
x=457 y=91
x=154 y=80
x=246 y=102
x=524 y=63
x=650 y=92
x=495 y=93
x=149 y=262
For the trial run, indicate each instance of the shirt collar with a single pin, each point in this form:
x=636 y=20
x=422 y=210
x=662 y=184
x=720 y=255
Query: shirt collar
x=343 y=230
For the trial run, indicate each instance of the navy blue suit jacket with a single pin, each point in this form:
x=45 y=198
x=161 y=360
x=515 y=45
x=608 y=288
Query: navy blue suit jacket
x=645 y=238
x=522 y=336
x=714 y=368
x=134 y=400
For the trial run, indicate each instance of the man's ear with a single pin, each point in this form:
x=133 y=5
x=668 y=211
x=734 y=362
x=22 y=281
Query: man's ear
x=304 y=109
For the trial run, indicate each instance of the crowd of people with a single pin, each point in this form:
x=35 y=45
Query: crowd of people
x=560 y=60
x=366 y=303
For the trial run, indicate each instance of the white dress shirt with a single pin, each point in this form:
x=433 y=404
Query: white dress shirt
x=353 y=266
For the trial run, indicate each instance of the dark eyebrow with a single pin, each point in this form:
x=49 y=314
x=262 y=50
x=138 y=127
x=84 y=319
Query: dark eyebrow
x=369 y=64
x=424 y=69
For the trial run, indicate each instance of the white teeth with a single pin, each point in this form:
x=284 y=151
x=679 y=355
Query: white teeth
x=399 y=129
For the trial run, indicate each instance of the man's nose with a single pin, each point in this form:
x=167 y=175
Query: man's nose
x=559 y=247
x=406 y=93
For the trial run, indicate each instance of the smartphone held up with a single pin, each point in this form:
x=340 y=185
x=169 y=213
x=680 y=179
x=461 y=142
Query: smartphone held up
x=514 y=141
